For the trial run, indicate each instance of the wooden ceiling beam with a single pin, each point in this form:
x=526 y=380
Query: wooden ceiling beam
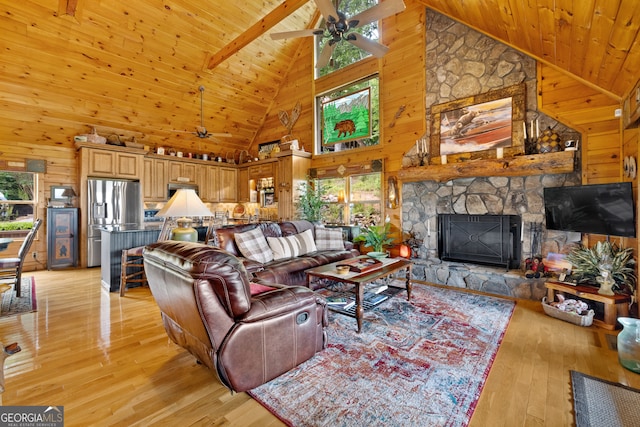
x=256 y=30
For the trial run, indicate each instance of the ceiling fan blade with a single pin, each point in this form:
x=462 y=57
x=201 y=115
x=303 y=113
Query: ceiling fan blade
x=297 y=33
x=325 y=55
x=376 y=49
x=220 y=135
x=327 y=9
x=377 y=12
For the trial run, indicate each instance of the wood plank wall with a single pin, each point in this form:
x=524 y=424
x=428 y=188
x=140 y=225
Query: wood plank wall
x=604 y=143
x=38 y=119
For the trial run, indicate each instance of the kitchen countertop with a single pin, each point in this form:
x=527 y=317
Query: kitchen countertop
x=130 y=228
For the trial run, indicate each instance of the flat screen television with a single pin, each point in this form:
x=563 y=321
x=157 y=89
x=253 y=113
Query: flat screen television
x=599 y=209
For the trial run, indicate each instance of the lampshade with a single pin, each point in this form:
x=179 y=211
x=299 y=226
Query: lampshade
x=184 y=204
x=68 y=192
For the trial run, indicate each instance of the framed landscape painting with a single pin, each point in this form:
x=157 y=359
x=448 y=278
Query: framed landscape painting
x=347 y=118
x=475 y=127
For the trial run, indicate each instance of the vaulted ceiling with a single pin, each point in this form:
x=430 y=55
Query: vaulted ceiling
x=137 y=65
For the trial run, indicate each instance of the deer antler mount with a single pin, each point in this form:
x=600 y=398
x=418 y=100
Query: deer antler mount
x=289 y=120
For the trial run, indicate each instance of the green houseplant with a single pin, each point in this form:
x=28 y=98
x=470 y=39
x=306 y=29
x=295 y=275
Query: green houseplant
x=590 y=263
x=310 y=203
x=376 y=237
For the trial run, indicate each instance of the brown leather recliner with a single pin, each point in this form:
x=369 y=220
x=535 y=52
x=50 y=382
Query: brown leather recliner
x=207 y=307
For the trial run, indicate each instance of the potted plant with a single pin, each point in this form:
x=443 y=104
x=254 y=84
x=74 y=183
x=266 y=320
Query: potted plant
x=310 y=203
x=376 y=237
x=603 y=262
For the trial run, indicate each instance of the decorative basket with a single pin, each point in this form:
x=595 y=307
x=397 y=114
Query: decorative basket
x=576 y=319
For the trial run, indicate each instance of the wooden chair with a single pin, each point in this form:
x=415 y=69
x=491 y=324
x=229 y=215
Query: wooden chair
x=11 y=268
x=132 y=267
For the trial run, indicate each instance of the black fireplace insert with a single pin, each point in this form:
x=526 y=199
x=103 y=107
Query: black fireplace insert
x=480 y=239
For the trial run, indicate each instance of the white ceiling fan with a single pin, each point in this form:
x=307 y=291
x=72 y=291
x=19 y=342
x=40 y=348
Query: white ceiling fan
x=338 y=28
x=201 y=131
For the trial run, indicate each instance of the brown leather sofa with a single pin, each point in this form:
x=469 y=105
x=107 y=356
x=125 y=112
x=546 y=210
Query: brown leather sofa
x=207 y=307
x=285 y=271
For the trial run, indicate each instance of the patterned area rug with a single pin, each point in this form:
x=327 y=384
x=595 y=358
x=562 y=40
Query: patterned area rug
x=25 y=304
x=422 y=363
x=603 y=403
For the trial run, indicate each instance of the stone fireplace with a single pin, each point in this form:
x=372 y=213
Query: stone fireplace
x=518 y=197
x=460 y=62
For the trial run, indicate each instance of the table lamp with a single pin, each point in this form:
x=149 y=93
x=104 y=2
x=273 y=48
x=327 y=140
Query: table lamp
x=184 y=205
x=69 y=194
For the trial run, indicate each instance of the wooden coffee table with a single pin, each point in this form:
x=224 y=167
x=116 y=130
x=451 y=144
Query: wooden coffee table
x=389 y=267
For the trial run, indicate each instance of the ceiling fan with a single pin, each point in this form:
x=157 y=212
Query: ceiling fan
x=201 y=131
x=338 y=28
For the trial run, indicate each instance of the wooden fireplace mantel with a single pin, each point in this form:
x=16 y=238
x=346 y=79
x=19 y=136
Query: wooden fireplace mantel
x=532 y=164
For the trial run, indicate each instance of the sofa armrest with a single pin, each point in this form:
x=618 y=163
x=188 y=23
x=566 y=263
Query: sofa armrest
x=280 y=301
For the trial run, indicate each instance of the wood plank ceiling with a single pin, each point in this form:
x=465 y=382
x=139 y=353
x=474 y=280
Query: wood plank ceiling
x=595 y=40
x=135 y=66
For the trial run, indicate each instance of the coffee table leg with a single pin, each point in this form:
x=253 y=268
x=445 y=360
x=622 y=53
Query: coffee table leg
x=409 y=285
x=359 y=309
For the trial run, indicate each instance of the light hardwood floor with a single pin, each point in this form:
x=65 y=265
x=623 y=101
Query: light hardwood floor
x=108 y=361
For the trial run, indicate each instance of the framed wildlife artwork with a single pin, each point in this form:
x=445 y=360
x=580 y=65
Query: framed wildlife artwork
x=476 y=127
x=347 y=118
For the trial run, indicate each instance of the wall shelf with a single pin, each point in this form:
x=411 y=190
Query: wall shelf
x=532 y=164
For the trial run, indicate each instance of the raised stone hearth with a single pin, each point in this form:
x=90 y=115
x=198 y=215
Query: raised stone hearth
x=479 y=278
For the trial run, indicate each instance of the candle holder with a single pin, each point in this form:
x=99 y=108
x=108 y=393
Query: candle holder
x=422 y=151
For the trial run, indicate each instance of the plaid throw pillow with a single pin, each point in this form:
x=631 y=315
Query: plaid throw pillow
x=254 y=246
x=329 y=239
x=284 y=247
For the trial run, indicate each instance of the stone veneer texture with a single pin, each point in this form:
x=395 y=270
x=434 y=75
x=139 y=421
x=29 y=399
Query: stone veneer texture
x=461 y=62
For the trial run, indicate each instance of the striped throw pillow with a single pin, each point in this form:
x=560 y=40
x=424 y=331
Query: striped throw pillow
x=254 y=246
x=284 y=247
x=307 y=244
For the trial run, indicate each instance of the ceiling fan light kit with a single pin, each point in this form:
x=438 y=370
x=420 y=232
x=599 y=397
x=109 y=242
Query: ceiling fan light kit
x=201 y=131
x=338 y=27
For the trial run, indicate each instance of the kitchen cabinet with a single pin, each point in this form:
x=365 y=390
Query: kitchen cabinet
x=154 y=180
x=208 y=180
x=243 y=185
x=228 y=184
x=293 y=169
x=112 y=164
x=265 y=170
x=62 y=237
x=182 y=172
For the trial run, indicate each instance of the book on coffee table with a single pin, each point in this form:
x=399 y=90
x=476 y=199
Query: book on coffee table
x=337 y=301
x=360 y=265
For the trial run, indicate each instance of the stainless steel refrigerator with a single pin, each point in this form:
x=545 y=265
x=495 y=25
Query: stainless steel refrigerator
x=111 y=202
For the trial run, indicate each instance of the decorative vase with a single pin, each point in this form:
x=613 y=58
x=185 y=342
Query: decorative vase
x=629 y=344
x=548 y=142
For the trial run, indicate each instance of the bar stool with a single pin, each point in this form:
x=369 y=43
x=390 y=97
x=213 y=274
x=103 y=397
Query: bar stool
x=132 y=264
x=132 y=260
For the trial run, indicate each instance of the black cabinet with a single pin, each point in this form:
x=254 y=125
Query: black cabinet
x=62 y=237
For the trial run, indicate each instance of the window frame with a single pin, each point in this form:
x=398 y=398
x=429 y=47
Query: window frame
x=350 y=87
x=34 y=202
x=347 y=203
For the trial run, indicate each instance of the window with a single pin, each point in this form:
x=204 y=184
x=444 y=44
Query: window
x=348 y=117
x=18 y=194
x=344 y=52
x=355 y=200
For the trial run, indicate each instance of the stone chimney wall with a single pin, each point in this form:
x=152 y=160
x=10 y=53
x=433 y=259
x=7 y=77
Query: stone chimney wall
x=462 y=62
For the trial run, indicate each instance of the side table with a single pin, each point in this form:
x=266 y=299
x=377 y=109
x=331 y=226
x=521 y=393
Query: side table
x=614 y=305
